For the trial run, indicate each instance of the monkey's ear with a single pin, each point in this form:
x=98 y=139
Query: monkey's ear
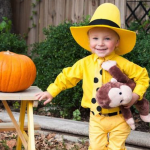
x=113 y=80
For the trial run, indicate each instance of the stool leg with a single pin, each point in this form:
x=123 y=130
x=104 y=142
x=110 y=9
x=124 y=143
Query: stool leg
x=20 y=134
x=31 y=141
x=21 y=122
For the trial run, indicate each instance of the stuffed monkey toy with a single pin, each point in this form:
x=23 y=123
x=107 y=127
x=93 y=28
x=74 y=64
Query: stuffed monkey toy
x=118 y=92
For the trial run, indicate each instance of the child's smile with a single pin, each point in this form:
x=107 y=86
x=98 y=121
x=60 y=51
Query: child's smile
x=103 y=41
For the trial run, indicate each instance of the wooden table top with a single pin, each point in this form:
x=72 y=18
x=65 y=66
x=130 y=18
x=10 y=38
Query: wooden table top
x=28 y=94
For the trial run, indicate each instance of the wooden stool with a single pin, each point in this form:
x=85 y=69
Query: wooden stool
x=28 y=101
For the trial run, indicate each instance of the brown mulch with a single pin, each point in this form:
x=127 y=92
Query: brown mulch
x=8 y=141
x=141 y=125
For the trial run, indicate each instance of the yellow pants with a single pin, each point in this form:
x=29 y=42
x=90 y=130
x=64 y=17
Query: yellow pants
x=108 y=133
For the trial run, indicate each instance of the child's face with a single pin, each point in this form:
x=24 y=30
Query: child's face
x=103 y=41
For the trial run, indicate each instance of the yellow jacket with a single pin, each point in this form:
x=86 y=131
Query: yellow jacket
x=84 y=70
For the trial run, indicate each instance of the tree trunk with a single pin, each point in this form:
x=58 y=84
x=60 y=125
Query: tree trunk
x=5 y=9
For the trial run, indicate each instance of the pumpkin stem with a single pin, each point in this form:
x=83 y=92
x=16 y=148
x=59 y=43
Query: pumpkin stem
x=7 y=52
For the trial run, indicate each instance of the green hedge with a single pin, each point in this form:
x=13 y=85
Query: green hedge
x=10 y=41
x=141 y=52
x=13 y=43
x=59 y=50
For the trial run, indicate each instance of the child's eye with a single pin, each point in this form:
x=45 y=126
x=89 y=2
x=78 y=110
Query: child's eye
x=107 y=38
x=95 y=38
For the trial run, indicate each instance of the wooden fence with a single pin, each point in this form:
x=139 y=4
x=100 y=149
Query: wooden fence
x=26 y=13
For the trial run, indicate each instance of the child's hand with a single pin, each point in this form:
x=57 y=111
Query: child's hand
x=44 y=96
x=135 y=97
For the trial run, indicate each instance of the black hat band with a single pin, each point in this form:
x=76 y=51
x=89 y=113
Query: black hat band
x=104 y=22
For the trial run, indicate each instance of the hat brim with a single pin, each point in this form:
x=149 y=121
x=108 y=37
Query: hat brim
x=127 y=37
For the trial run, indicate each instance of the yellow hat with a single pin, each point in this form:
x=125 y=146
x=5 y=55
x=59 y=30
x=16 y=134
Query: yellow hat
x=106 y=15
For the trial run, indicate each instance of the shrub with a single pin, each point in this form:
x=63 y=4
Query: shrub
x=13 y=43
x=5 y=25
x=10 y=41
x=141 y=52
x=58 y=51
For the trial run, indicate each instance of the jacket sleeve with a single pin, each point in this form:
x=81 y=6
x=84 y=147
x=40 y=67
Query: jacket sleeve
x=68 y=78
x=140 y=77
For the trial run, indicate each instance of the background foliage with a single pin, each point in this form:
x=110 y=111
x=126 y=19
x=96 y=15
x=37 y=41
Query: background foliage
x=13 y=43
x=58 y=51
x=10 y=41
x=141 y=52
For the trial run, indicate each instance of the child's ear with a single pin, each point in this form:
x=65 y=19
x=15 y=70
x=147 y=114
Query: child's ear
x=118 y=42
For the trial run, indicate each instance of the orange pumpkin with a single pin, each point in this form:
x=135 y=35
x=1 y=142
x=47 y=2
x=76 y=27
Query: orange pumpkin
x=17 y=72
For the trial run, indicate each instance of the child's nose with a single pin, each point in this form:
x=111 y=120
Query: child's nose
x=101 y=43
